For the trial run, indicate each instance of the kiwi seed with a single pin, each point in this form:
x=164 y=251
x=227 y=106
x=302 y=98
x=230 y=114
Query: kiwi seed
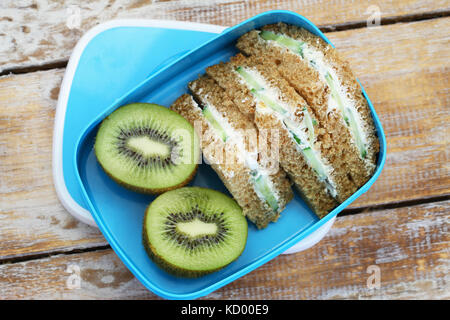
x=194 y=231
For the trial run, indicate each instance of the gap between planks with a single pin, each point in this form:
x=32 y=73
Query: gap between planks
x=408 y=245
x=324 y=28
x=345 y=212
x=394 y=205
x=413 y=17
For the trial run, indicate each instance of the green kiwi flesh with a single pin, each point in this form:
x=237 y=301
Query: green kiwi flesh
x=194 y=231
x=147 y=148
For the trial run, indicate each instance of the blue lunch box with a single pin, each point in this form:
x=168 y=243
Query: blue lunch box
x=119 y=212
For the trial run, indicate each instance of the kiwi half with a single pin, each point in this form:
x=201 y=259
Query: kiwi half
x=194 y=231
x=147 y=148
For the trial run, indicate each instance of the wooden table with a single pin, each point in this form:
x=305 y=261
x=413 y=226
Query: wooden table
x=400 y=226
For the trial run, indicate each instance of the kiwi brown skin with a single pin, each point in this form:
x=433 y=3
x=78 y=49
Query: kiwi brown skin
x=168 y=267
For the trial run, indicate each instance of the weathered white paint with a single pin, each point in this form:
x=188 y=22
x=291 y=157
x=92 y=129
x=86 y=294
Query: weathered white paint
x=35 y=32
x=336 y=268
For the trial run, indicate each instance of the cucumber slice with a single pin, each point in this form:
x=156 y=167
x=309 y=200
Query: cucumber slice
x=349 y=117
x=262 y=186
x=214 y=123
x=249 y=79
x=292 y=44
x=297 y=139
x=317 y=166
x=267 y=35
x=293 y=127
x=335 y=94
x=257 y=90
x=309 y=154
x=354 y=127
x=268 y=102
x=309 y=124
x=319 y=169
x=312 y=160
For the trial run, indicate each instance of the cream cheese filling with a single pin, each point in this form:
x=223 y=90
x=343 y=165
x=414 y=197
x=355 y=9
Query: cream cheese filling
x=263 y=186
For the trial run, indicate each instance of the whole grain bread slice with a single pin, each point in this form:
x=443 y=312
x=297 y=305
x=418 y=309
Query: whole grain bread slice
x=307 y=82
x=235 y=174
x=291 y=159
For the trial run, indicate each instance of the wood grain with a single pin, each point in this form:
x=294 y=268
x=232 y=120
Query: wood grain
x=34 y=33
x=405 y=74
x=31 y=216
x=405 y=69
x=410 y=246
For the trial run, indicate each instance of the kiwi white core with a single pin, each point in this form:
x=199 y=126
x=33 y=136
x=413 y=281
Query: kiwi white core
x=148 y=147
x=196 y=228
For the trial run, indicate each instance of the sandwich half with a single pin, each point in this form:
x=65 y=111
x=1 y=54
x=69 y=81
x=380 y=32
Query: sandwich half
x=305 y=153
x=317 y=73
x=229 y=142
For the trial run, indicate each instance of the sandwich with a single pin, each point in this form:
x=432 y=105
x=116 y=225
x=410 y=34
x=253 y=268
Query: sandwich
x=261 y=94
x=291 y=86
x=231 y=144
x=318 y=74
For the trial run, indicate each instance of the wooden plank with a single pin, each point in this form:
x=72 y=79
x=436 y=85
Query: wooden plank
x=31 y=216
x=409 y=90
x=43 y=32
x=409 y=247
